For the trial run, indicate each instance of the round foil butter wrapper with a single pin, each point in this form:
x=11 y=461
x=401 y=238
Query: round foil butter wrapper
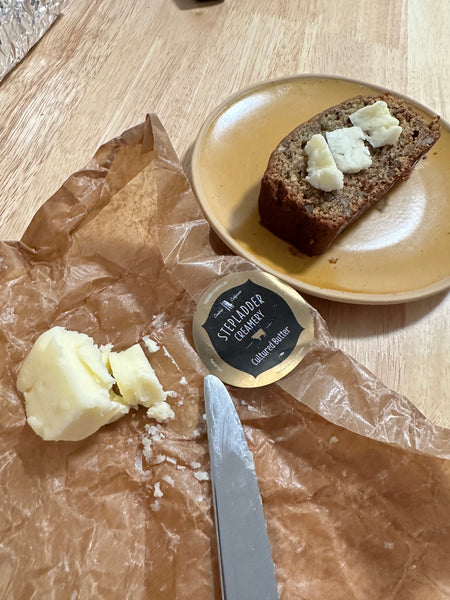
x=250 y=329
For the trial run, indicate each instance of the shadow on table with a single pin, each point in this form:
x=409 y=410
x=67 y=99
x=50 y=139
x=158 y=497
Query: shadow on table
x=190 y=4
x=356 y=321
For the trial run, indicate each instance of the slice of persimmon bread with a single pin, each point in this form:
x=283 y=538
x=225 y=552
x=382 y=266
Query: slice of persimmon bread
x=329 y=170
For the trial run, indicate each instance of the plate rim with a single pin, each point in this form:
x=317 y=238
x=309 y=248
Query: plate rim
x=224 y=235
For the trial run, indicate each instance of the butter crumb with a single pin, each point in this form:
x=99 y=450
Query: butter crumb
x=155 y=432
x=157 y=493
x=150 y=344
x=161 y=412
x=148 y=450
x=201 y=475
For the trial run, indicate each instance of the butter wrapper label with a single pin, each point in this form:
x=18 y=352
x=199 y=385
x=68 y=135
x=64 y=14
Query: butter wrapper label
x=250 y=329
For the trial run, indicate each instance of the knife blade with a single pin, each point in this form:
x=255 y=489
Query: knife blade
x=245 y=558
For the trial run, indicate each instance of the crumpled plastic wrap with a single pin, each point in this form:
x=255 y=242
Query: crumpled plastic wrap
x=22 y=24
x=354 y=481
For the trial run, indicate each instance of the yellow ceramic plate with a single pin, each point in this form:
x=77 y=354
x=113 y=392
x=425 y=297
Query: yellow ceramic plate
x=398 y=251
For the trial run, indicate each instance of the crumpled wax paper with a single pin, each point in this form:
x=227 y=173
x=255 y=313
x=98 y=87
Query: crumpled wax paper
x=354 y=481
x=22 y=24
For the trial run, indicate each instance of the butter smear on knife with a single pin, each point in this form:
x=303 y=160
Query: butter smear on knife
x=67 y=382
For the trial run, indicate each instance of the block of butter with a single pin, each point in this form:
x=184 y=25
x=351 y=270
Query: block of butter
x=68 y=387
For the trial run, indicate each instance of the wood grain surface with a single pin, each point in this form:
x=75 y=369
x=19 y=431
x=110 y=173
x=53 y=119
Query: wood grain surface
x=103 y=65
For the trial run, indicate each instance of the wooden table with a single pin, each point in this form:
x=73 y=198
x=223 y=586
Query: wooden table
x=104 y=65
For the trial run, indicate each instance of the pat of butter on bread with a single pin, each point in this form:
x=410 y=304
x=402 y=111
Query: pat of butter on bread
x=68 y=387
x=322 y=171
x=379 y=126
x=348 y=149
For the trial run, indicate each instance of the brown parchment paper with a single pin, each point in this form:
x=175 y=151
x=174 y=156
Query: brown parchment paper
x=353 y=478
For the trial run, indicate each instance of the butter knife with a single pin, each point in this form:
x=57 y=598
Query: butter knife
x=245 y=558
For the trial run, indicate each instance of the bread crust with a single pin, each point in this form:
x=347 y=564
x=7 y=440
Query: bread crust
x=311 y=219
